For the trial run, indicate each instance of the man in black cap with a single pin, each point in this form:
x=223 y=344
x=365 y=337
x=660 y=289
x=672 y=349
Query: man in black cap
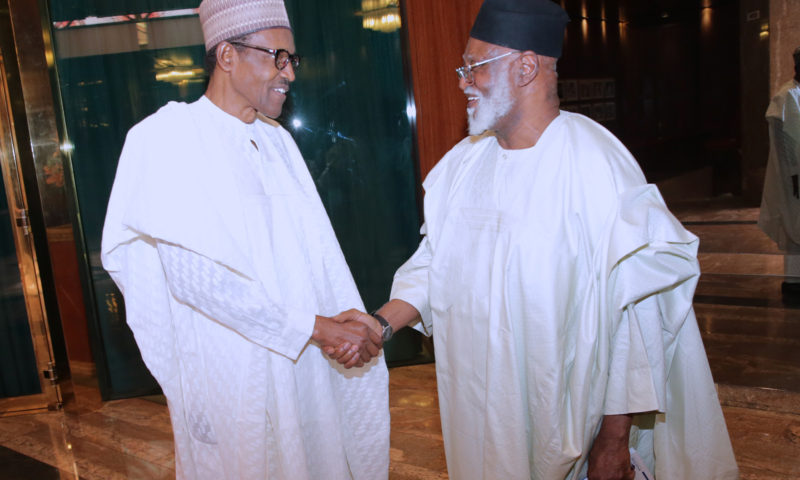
x=557 y=284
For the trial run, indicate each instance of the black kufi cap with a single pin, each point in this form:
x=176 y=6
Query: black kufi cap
x=536 y=25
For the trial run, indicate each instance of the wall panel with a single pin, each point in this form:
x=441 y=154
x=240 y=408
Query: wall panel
x=437 y=34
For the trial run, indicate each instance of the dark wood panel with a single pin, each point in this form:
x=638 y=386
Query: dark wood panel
x=437 y=35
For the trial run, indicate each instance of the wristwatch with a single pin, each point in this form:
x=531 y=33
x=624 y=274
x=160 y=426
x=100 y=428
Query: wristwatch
x=387 y=329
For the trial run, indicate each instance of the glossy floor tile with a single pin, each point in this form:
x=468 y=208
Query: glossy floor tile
x=751 y=333
x=131 y=439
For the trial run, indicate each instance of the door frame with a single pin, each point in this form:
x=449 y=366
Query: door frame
x=50 y=396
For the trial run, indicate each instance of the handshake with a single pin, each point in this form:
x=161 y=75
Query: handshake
x=352 y=338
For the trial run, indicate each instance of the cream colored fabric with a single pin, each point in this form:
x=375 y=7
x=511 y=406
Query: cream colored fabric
x=780 y=209
x=226 y=19
x=224 y=254
x=558 y=289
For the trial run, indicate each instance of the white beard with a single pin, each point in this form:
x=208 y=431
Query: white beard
x=490 y=108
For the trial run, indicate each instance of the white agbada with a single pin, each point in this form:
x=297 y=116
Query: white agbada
x=218 y=240
x=558 y=288
x=780 y=209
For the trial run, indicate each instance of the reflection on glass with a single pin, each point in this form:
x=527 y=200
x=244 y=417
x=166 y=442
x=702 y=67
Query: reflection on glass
x=18 y=375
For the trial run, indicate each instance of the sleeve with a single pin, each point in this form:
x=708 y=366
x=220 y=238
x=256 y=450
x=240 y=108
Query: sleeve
x=411 y=283
x=234 y=300
x=652 y=276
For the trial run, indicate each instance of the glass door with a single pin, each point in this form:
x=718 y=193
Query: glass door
x=27 y=378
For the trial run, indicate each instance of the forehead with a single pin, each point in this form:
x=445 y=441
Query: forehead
x=478 y=50
x=276 y=38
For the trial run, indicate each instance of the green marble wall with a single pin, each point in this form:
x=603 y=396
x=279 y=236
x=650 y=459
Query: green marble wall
x=347 y=111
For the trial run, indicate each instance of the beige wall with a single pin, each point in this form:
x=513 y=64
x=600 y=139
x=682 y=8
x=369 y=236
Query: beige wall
x=784 y=20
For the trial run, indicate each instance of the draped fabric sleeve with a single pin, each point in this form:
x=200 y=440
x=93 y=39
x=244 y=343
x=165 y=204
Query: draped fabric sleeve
x=653 y=272
x=657 y=360
x=234 y=301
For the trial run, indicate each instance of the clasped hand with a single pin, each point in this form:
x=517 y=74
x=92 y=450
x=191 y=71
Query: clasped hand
x=351 y=338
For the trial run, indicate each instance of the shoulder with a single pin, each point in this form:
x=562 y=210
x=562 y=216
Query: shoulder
x=789 y=88
x=788 y=94
x=166 y=121
x=595 y=154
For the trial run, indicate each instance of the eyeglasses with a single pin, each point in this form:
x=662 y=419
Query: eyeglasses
x=465 y=72
x=282 y=57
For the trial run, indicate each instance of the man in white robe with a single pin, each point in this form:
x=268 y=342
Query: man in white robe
x=780 y=202
x=556 y=284
x=217 y=238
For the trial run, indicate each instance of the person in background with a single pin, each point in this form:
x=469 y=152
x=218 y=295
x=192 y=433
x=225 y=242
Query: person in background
x=780 y=202
x=217 y=238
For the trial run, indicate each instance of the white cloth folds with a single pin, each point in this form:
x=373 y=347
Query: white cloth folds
x=224 y=253
x=558 y=289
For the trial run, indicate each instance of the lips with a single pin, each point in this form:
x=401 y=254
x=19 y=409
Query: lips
x=472 y=98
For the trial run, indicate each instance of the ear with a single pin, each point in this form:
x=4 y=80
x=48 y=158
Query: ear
x=226 y=56
x=528 y=68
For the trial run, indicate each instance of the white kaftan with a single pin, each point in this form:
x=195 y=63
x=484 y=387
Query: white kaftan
x=780 y=207
x=558 y=289
x=218 y=240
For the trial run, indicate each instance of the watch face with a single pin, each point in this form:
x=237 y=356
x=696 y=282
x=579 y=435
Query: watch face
x=387 y=333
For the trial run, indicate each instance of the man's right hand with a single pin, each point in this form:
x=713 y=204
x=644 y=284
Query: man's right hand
x=356 y=342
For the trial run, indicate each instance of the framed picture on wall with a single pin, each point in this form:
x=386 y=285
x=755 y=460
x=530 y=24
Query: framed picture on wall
x=597 y=88
x=609 y=88
x=584 y=89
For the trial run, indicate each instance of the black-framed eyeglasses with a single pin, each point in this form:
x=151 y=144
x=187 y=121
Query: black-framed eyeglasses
x=465 y=72
x=282 y=56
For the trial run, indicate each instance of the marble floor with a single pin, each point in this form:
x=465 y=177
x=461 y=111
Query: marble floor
x=751 y=333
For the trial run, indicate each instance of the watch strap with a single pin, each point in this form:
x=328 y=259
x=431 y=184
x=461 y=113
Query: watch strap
x=388 y=331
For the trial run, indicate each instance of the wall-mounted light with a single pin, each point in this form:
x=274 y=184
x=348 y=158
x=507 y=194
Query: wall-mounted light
x=380 y=15
x=764 y=33
x=180 y=75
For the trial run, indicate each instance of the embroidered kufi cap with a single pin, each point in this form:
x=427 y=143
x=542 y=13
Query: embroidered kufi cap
x=225 y=19
x=536 y=25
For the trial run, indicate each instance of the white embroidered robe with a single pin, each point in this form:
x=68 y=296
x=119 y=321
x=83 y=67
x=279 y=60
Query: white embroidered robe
x=221 y=246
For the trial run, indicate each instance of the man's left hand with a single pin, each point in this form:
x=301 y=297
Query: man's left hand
x=609 y=458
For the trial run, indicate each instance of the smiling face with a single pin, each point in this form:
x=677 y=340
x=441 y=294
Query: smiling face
x=489 y=96
x=255 y=79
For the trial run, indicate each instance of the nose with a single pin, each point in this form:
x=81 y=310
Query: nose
x=464 y=82
x=288 y=72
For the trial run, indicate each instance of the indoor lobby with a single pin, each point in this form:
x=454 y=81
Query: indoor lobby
x=684 y=84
